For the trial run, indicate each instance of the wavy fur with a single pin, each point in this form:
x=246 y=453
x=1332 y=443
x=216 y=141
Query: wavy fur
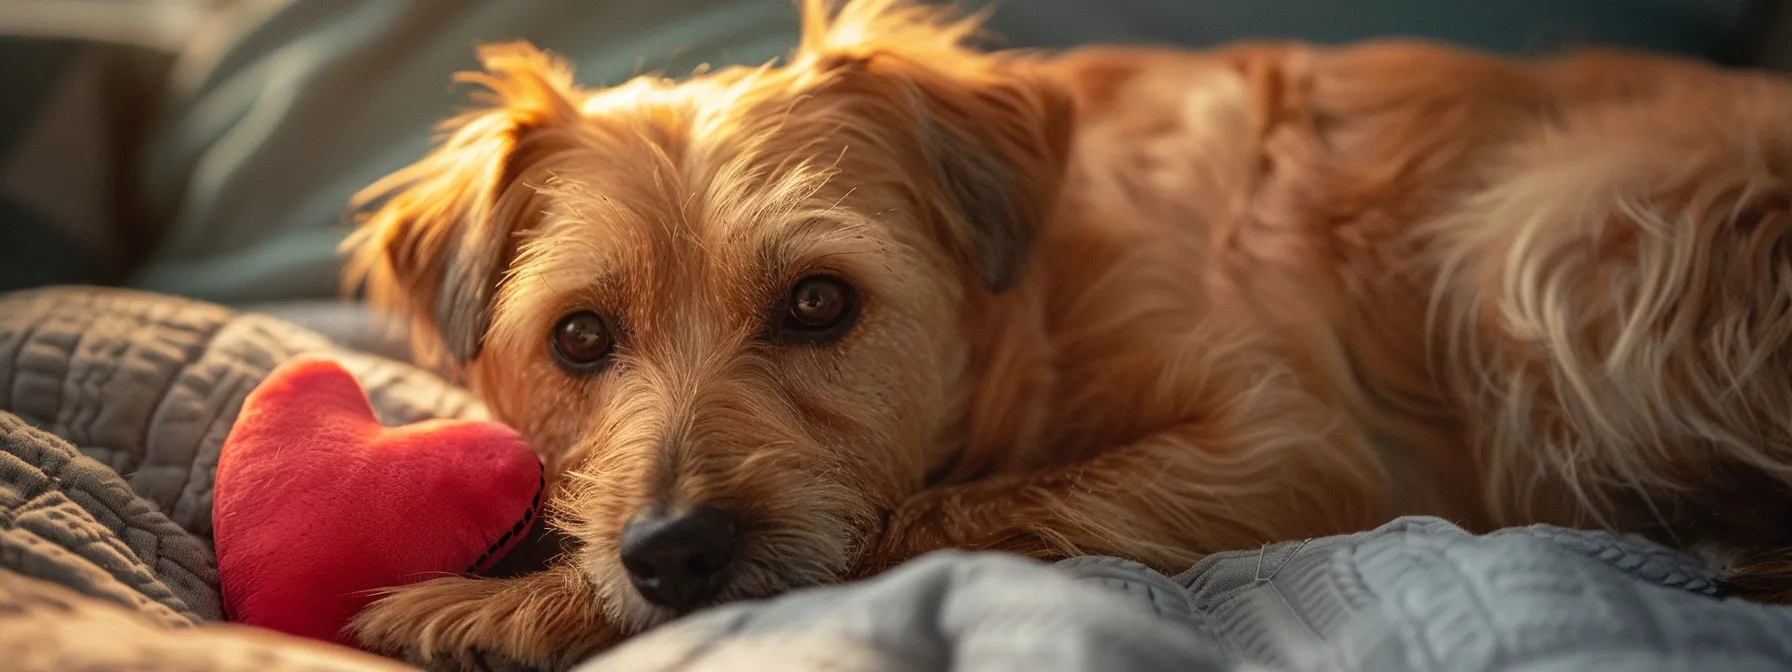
x=1135 y=302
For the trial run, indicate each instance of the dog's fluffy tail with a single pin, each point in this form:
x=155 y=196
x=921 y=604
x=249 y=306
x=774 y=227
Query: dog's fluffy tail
x=1617 y=308
x=1761 y=576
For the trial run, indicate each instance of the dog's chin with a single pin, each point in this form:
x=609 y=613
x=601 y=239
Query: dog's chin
x=766 y=570
x=623 y=605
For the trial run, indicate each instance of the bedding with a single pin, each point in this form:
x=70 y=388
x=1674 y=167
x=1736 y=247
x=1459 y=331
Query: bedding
x=113 y=405
x=1416 y=594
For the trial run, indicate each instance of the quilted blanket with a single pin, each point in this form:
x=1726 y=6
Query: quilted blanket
x=113 y=406
x=1416 y=594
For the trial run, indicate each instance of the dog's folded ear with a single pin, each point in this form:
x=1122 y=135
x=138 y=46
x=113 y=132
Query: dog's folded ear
x=995 y=132
x=997 y=144
x=438 y=235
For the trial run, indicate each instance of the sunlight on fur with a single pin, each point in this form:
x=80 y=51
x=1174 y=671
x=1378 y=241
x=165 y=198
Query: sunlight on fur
x=896 y=294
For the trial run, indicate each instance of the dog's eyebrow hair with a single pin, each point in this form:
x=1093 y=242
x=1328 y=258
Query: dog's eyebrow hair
x=798 y=242
x=842 y=199
x=808 y=225
x=567 y=265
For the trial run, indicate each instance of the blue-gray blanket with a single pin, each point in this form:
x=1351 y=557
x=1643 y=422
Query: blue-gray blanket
x=113 y=406
x=1416 y=594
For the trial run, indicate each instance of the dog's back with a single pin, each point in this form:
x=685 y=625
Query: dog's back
x=1544 y=291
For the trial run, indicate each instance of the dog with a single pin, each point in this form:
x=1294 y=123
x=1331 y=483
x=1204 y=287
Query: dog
x=782 y=326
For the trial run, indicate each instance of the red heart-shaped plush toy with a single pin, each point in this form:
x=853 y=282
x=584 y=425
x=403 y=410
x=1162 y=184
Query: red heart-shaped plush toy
x=317 y=505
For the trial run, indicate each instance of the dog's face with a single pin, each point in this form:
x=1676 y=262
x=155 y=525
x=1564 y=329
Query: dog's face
x=730 y=311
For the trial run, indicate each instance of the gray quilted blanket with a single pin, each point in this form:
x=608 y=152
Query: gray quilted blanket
x=113 y=406
x=1416 y=594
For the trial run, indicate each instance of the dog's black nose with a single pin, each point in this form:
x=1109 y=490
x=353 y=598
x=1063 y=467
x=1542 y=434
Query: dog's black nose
x=679 y=561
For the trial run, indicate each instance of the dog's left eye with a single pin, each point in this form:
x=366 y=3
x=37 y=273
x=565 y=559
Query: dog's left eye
x=819 y=309
x=582 y=341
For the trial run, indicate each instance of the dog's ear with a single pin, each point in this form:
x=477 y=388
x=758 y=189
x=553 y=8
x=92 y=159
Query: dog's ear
x=438 y=235
x=997 y=143
x=995 y=132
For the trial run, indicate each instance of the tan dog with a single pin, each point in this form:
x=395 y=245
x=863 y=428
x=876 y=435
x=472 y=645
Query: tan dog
x=777 y=326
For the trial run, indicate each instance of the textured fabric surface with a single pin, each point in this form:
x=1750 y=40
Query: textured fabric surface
x=113 y=407
x=47 y=627
x=68 y=519
x=1416 y=594
x=149 y=385
x=948 y=611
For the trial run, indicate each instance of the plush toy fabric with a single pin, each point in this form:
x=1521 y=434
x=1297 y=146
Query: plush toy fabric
x=318 y=506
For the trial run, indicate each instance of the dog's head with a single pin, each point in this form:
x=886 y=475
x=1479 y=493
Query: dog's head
x=730 y=311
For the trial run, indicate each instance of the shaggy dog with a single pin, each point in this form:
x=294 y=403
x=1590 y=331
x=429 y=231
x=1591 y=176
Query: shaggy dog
x=779 y=326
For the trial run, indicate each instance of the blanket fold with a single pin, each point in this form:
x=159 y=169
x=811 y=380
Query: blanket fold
x=67 y=519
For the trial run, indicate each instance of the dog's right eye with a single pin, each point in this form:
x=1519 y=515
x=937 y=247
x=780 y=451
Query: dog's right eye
x=820 y=309
x=582 y=341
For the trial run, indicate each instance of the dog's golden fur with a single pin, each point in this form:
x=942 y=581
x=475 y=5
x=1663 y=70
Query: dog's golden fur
x=1136 y=302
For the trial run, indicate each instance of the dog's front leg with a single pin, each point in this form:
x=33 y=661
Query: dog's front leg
x=1165 y=500
x=544 y=621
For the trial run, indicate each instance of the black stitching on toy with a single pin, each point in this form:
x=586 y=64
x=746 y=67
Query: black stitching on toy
x=520 y=526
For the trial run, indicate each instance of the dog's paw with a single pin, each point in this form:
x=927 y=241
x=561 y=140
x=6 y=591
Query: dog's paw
x=976 y=517
x=911 y=530
x=436 y=625
x=538 y=622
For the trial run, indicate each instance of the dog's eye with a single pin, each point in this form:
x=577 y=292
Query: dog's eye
x=818 y=303
x=820 y=308
x=582 y=341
